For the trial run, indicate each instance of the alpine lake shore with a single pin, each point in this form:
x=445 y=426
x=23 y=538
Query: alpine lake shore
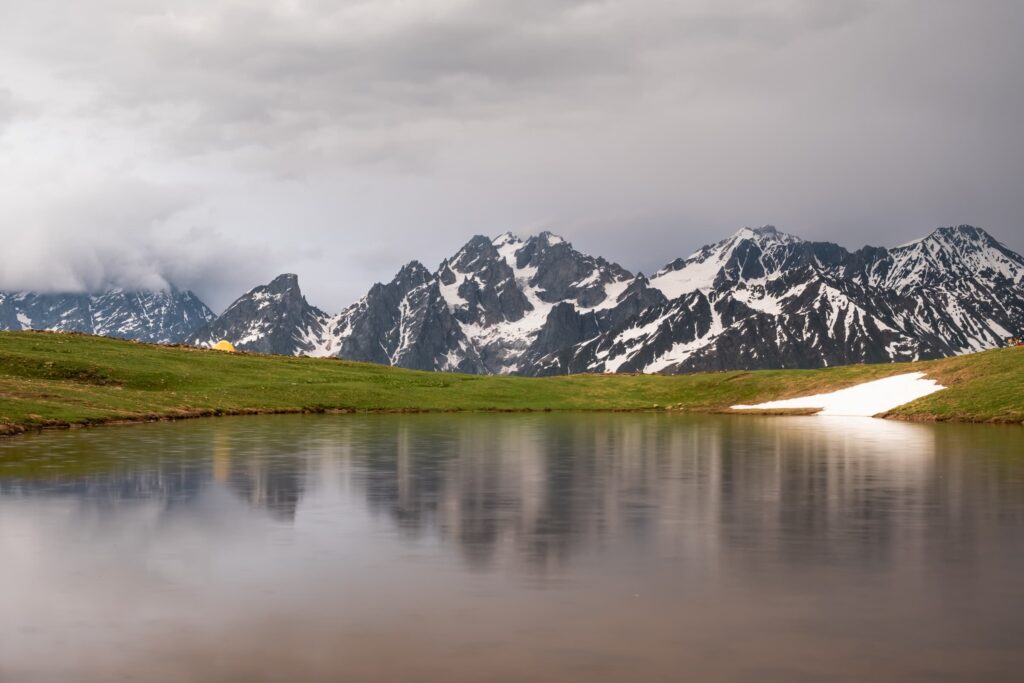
x=60 y=380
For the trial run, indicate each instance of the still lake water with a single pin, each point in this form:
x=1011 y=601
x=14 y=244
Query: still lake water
x=513 y=548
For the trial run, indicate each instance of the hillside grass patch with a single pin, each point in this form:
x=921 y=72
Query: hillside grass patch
x=50 y=379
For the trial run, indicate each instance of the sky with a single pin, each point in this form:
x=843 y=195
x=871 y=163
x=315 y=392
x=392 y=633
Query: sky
x=214 y=144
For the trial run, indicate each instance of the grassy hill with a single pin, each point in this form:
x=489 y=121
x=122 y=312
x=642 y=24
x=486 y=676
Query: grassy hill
x=61 y=380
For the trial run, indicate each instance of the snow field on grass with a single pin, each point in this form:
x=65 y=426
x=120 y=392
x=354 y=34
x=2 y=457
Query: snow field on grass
x=863 y=400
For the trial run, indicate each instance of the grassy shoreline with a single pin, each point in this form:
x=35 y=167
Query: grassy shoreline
x=52 y=380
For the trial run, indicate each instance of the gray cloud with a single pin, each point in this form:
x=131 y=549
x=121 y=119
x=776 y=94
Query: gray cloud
x=8 y=109
x=231 y=76
x=341 y=138
x=125 y=236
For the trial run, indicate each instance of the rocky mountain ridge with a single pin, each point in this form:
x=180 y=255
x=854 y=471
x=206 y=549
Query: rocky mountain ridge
x=758 y=299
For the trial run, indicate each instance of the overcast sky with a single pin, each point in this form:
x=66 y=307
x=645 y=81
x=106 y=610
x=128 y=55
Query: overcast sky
x=217 y=143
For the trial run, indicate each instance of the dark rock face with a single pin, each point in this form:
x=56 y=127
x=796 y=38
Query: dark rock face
x=565 y=327
x=273 y=318
x=486 y=282
x=562 y=273
x=405 y=323
x=368 y=330
x=638 y=297
x=157 y=317
x=429 y=336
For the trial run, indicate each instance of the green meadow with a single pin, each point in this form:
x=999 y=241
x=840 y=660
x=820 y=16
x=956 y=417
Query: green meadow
x=62 y=380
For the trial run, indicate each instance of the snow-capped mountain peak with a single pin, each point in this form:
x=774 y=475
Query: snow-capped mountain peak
x=505 y=292
x=963 y=251
x=765 y=234
x=491 y=307
x=748 y=254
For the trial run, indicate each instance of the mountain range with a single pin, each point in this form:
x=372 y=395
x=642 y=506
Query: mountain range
x=158 y=317
x=537 y=306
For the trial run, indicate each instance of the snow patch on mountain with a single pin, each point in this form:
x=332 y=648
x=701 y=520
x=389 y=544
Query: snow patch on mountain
x=760 y=250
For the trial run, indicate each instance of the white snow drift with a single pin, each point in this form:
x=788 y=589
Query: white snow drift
x=863 y=400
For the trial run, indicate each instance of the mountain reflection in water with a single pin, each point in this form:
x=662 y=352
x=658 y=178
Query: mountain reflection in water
x=555 y=547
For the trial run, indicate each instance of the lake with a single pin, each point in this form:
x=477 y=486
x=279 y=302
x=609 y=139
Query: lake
x=598 y=547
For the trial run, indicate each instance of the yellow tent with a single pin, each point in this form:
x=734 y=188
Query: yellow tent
x=224 y=345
